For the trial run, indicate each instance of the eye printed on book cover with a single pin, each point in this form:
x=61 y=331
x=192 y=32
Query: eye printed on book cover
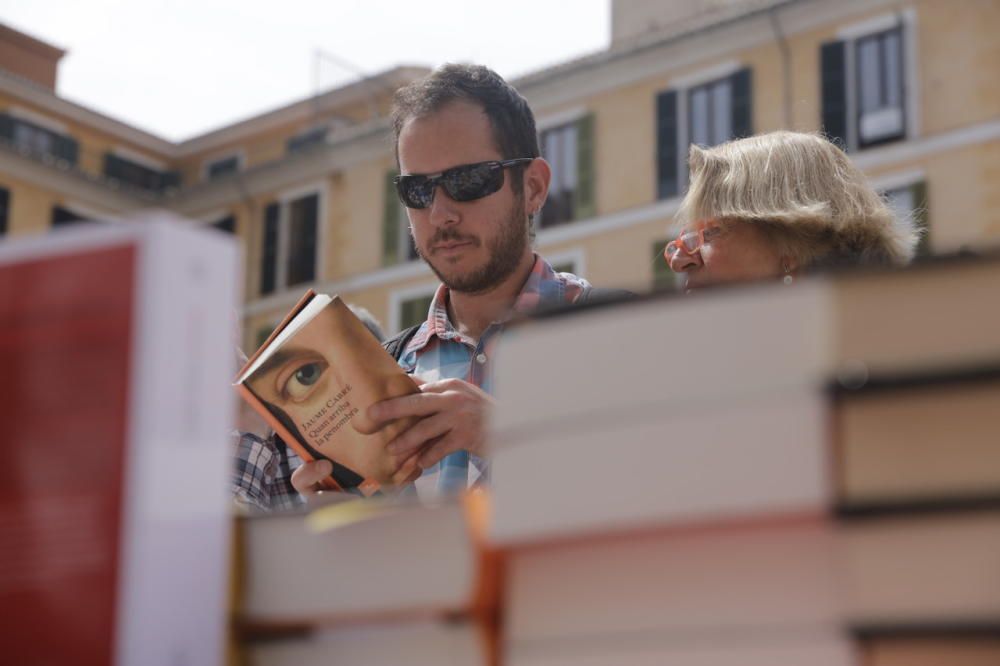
x=298 y=379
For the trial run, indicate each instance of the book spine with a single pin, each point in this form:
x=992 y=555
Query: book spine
x=283 y=432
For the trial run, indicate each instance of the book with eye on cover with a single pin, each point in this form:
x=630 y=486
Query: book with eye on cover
x=313 y=380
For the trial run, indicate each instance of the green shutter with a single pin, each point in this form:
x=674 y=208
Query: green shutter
x=583 y=203
x=414 y=311
x=390 y=222
x=920 y=209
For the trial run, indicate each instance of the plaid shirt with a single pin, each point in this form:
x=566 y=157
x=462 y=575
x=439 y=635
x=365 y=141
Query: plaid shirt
x=262 y=470
x=262 y=473
x=438 y=351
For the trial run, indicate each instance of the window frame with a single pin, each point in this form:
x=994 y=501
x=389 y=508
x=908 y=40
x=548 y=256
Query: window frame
x=915 y=181
x=682 y=88
x=558 y=170
x=398 y=297
x=284 y=202
x=851 y=36
x=206 y=164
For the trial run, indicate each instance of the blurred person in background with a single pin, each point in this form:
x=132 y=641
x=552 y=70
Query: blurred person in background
x=778 y=205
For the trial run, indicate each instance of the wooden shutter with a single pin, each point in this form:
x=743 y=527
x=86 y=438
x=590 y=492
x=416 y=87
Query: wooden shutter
x=583 y=204
x=390 y=221
x=833 y=89
x=269 y=250
x=667 y=145
x=742 y=86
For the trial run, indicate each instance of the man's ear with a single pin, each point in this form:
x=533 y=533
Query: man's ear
x=537 y=177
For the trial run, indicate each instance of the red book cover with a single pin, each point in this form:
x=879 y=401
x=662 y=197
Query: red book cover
x=65 y=331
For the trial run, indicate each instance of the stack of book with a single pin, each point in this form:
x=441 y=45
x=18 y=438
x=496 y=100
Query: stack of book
x=760 y=474
x=369 y=582
x=115 y=349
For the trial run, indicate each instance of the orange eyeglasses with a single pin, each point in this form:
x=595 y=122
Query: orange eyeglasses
x=691 y=241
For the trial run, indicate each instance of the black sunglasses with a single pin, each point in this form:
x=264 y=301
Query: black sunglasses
x=467 y=182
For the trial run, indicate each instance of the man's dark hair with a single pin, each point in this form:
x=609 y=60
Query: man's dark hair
x=510 y=116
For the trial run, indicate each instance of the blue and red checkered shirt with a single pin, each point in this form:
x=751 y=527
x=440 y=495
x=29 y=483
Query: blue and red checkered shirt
x=261 y=475
x=438 y=351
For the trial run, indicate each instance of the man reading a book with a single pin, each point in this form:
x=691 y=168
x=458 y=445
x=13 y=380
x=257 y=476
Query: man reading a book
x=472 y=181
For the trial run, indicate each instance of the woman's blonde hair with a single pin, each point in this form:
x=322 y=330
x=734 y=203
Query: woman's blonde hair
x=804 y=192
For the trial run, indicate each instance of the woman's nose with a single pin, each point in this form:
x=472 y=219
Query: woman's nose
x=682 y=261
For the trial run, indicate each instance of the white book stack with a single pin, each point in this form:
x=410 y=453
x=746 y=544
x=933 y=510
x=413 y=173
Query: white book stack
x=116 y=351
x=691 y=480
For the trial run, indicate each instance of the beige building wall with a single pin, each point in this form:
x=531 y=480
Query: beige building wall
x=955 y=149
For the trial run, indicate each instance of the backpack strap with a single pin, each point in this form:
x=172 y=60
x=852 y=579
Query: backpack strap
x=396 y=344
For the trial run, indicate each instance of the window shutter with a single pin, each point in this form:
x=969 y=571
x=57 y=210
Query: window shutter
x=742 y=85
x=6 y=127
x=920 y=211
x=302 y=240
x=269 y=250
x=4 y=209
x=667 y=145
x=583 y=204
x=833 y=88
x=66 y=148
x=112 y=166
x=170 y=180
x=390 y=221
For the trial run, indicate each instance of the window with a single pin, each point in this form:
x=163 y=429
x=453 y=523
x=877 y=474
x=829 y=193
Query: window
x=4 y=209
x=397 y=242
x=705 y=114
x=880 y=87
x=138 y=175
x=226 y=224
x=222 y=167
x=863 y=89
x=569 y=151
x=290 y=243
x=710 y=113
x=39 y=141
x=911 y=200
x=62 y=217
x=307 y=139
x=663 y=277
x=413 y=311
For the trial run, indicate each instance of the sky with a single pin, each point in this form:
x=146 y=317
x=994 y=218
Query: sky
x=181 y=68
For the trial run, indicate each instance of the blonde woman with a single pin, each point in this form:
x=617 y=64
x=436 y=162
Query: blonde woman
x=776 y=205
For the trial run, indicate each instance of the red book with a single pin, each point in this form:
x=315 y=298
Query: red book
x=114 y=353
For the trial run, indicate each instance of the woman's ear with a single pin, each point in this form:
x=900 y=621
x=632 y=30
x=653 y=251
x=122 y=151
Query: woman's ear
x=789 y=265
x=537 y=177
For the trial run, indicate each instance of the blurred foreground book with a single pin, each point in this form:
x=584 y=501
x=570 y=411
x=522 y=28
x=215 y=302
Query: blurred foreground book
x=115 y=354
x=369 y=581
x=760 y=474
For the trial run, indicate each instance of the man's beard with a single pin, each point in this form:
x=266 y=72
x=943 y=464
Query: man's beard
x=505 y=250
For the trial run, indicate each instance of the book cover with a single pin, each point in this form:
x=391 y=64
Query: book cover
x=313 y=381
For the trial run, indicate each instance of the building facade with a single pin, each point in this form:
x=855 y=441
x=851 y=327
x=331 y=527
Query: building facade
x=908 y=87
